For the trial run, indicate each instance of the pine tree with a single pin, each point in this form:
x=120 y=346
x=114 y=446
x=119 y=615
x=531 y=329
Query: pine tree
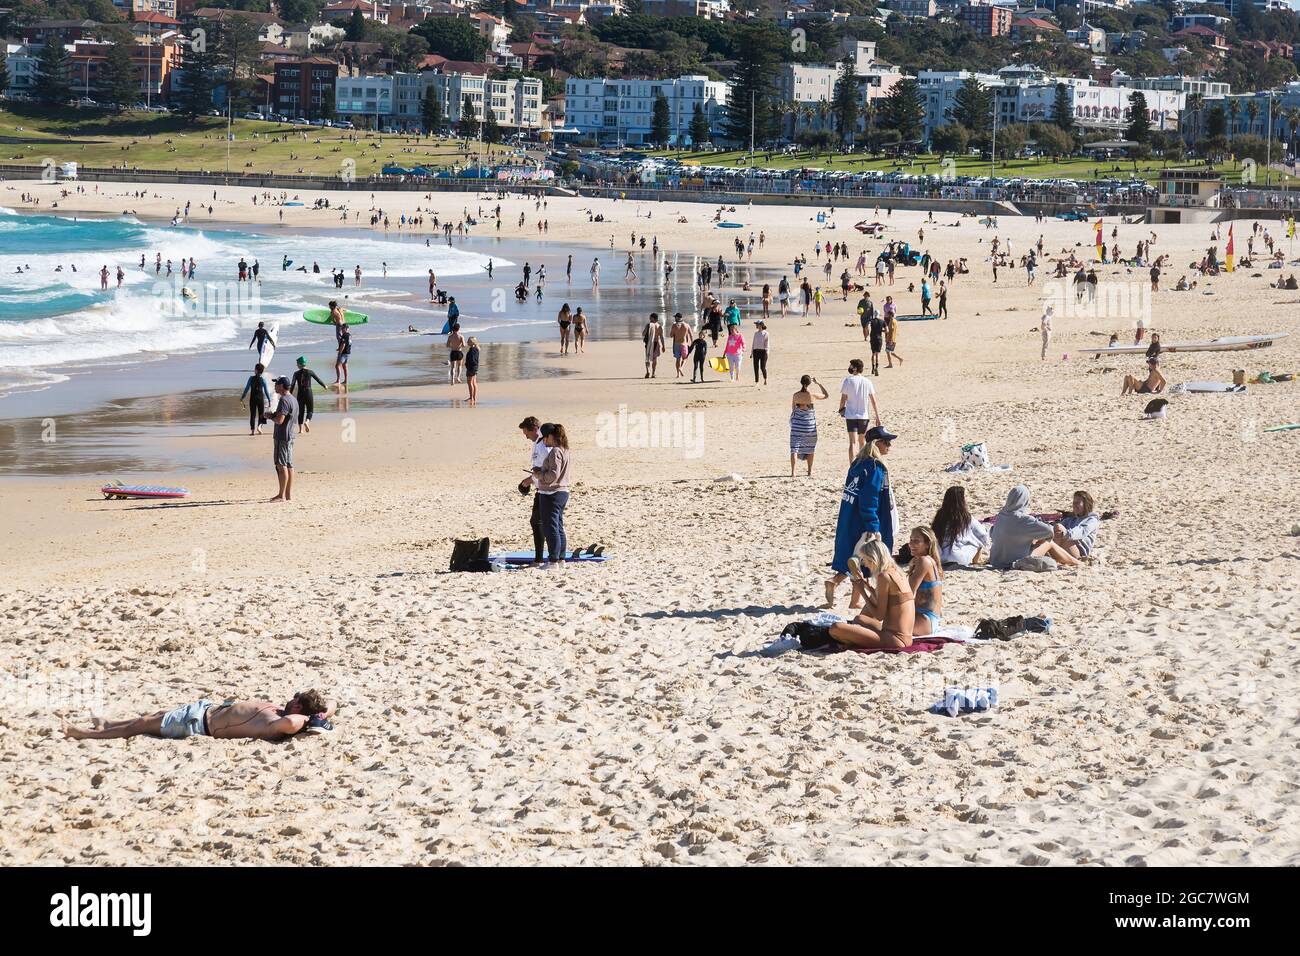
x=4 y=70
x=431 y=112
x=751 y=97
x=491 y=128
x=903 y=112
x=973 y=107
x=699 y=126
x=1139 y=126
x=1062 y=114
x=200 y=70
x=356 y=28
x=845 y=100
x=53 y=88
x=661 y=124
x=118 y=80
x=468 y=125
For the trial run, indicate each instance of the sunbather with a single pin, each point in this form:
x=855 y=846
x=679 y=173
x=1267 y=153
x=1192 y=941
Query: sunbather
x=925 y=577
x=259 y=719
x=890 y=616
x=1151 y=385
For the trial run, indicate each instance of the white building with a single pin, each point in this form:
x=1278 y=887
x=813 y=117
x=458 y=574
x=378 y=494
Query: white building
x=1028 y=95
x=21 y=60
x=398 y=100
x=623 y=110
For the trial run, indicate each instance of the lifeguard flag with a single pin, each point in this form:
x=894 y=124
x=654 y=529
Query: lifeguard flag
x=1101 y=243
x=1229 y=258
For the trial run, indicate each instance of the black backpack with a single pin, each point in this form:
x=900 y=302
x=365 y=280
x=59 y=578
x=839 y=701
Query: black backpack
x=471 y=555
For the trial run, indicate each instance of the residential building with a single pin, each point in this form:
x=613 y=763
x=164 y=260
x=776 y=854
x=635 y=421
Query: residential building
x=1213 y=42
x=1088 y=36
x=703 y=9
x=153 y=24
x=1270 y=48
x=397 y=99
x=914 y=8
x=133 y=8
x=987 y=21
x=21 y=59
x=1034 y=30
x=62 y=31
x=370 y=9
x=155 y=62
x=622 y=110
x=270 y=29
x=1209 y=20
x=305 y=37
x=1206 y=87
x=305 y=87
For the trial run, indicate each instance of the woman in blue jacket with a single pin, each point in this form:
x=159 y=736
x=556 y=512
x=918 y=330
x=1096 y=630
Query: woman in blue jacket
x=867 y=507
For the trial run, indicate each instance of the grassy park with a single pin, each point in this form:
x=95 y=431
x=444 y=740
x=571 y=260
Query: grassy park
x=1027 y=168
x=170 y=142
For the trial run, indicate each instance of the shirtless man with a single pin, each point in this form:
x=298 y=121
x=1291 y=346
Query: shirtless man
x=308 y=711
x=1154 y=383
x=681 y=333
x=456 y=356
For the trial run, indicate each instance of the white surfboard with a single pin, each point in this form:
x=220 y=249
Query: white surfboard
x=265 y=356
x=1204 y=388
x=1227 y=343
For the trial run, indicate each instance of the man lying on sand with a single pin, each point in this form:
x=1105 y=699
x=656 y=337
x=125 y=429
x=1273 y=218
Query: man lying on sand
x=307 y=712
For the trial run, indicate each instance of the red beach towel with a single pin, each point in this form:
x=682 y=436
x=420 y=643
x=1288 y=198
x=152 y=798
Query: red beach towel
x=919 y=645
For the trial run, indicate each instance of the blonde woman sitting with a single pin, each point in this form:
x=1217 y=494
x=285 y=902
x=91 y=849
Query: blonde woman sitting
x=925 y=577
x=890 y=615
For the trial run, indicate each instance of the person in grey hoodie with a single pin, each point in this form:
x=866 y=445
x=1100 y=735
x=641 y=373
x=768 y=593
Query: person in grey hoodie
x=1016 y=532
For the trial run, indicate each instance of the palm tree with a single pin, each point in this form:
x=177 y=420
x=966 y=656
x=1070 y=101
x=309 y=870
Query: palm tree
x=1234 y=108
x=1252 y=114
x=1195 y=102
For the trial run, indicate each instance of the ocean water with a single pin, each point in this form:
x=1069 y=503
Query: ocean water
x=54 y=316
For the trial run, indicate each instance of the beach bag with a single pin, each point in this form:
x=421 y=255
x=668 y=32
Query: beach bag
x=1032 y=563
x=974 y=456
x=471 y=555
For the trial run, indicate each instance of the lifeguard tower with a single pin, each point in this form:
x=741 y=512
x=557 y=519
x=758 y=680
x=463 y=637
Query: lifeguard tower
x=1187 y=195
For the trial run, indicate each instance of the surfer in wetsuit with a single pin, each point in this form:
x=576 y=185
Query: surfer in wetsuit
x=338 y=320
x=260 y=337
x=300 y=388
x=258 y=397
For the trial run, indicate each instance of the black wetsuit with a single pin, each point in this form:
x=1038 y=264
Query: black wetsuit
x=256 y=390
x=300 y=387
x=699 y=348
x=260 y=338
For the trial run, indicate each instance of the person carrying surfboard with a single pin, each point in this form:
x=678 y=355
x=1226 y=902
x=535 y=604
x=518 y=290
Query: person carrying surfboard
x=338 y=319
x=260 y=337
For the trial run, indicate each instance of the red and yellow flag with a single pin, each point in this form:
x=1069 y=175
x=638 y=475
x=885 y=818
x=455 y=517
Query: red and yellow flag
x=1101 y=243
x=1229 y=258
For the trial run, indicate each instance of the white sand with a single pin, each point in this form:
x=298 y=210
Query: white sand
x=610 y=714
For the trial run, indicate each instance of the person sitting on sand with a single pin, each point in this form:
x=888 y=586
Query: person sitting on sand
x=925 y=578
x=960 y=538
x=307 y=711
x=1018 y=534
x=1076 y=533
x=891 y=617
x=1153 y=384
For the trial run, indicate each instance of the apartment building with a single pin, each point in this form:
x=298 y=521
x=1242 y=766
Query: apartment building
x=987 y=21
x=623 y=110
x=398 y=99
x=305 y=87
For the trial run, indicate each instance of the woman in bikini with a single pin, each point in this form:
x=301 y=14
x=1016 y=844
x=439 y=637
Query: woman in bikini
x=925 y=577
x=579 y=330
x=889 y=619
x=565 y=318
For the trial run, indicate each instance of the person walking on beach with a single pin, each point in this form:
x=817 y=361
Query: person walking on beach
x=761 y=342
x=876 y=331
x=1045 y=327
x=803 y=422
x=783 y=293
x=595 y=273
x=258 y=398
x=856 y=393
x=552 y=479
x=767 y=300
x=565 y=319
x=579 y=330
x=301 y=390
x=285 y=413
x=341 y=360
x=260 y=337
x=652 y=336
x=455 y=354
x=943 y=300
x=891 y=332
x=568 y=271
x=866 y=510
x=433 y=282
x=471 y=369
x=681 y=336
x=699 y=350
x=734 y=351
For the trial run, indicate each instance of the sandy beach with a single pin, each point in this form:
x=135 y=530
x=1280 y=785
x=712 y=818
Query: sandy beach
x=619 y=713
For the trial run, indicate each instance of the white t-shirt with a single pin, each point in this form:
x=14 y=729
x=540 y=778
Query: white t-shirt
x=859 y=389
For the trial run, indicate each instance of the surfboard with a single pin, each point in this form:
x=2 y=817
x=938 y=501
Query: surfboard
x=914 y=318
x=1205 y=388
x=322 y=317
x=115 y=489
x=1227 y=343
x=265 y=356
x=1281 y=428
x=526 y=557
x=731 y=225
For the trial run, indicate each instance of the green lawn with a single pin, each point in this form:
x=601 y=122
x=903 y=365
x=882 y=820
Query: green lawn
x=965 y=165
x=167 y=141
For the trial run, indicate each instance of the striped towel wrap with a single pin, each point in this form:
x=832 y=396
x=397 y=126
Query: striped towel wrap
x=803 y=431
